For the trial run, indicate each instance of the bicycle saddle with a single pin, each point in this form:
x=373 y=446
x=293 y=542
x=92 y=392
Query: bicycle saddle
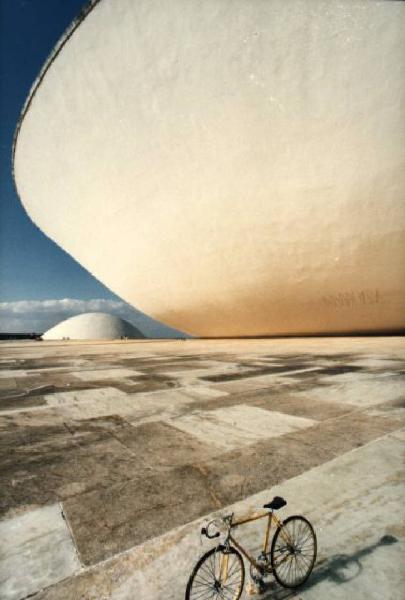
x=276 y=503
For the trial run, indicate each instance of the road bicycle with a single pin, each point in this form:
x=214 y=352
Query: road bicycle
x=220 y=572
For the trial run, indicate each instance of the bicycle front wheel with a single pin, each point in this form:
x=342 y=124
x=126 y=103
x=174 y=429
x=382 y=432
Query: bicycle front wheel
x=219 y=574
x=293 y=552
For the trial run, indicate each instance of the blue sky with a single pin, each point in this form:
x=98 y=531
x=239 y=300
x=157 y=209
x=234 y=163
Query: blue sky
x=32 y=268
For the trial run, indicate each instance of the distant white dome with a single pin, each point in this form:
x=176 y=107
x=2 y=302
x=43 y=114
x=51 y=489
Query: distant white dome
x=93 y=326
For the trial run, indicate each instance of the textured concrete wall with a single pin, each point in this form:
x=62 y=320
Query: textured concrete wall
x=230 y=167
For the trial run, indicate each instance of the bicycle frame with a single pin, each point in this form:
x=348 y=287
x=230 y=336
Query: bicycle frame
x=232 y=525
x=288 y=554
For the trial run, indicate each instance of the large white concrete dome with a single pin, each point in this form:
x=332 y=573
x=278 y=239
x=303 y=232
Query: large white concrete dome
x=229 y=167
x=93 y=326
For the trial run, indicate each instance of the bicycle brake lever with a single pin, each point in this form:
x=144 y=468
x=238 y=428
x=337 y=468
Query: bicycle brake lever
x=204 y=531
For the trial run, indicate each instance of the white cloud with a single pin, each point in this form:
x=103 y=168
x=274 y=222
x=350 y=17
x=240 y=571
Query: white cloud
x=65 y=305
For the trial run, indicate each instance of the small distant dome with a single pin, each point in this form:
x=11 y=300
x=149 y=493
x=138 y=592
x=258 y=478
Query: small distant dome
x=93 y=326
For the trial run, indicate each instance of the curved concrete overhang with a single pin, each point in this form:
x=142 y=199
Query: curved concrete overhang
x=230 y=168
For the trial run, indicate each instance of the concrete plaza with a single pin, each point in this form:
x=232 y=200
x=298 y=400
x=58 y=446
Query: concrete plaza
x=113 y=454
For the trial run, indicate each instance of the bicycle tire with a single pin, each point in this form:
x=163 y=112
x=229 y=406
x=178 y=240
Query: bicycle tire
x=291 y=562
x=206 y=574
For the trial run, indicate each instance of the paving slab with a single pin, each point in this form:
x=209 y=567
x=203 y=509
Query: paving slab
x=375 y=362
x=239 y=425
x=36 y=551
x=258 y=382
x=77 y=396
x=245 y=471
x=7 y=384
x=101 y=374
x=294 y=404
x=55 y=463
x=359 y=389
x=208 y=370
x=158 y=446
x=116 y=518
x=12 y=373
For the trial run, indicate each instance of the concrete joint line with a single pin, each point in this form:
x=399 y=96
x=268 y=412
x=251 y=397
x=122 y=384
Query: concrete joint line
x=65 y=518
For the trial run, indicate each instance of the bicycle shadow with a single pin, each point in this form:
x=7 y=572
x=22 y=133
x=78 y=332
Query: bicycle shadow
x=339 y=569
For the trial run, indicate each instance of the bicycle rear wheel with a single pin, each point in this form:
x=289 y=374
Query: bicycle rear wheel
x=218 y=575
x=293 y=551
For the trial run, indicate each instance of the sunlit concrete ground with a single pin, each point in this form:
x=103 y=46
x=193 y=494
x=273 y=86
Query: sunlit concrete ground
x=113 y=454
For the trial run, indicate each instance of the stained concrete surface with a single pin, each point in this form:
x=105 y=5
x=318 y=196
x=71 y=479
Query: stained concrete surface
x=36 y=550
x=354 y=503
x=236 y=426
x=132 y=478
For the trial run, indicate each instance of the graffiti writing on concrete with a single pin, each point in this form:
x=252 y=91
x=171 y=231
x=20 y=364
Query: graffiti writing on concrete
x=347 y=299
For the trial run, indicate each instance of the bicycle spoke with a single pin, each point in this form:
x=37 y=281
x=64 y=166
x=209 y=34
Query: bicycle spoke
x=307 y=554
x=218 y=576
x=298 y=570
x=234 y=568
x=222 y=592
x=302 y=565
x=202 y=583
x=293 y=551
x=206 y=575
x=294 y=537
x=230 y=593
x=208 y=567
x=285 y=564
x=214 y=565
x=289 y=567
x=304 y=540
x=282 y=567
x=291 y=572
x=295 y=569
x=303 y=561
x=203 y=588
x=306 y=558
x=231 y=583
x=304 y=573
x=230 y=587
x=204 y=595
x=281 y=554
